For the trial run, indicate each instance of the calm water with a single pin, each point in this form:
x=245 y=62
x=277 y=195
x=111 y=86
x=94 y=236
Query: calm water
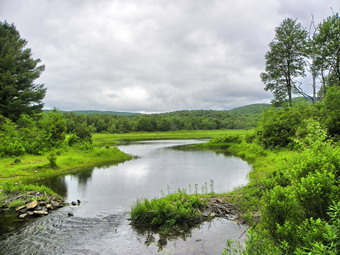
x=100 y=224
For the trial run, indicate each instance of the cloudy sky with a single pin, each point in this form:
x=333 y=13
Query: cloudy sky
x=154 y=55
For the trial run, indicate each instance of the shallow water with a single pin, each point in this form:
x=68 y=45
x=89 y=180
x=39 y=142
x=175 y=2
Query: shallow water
x=100 y=224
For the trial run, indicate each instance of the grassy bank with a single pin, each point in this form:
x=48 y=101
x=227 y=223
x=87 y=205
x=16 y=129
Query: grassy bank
x=264 y=164
x=15 y=171
x=108 y=139
x=31 y=167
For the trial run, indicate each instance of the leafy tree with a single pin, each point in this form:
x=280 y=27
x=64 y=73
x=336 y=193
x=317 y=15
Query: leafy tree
x=285 y=61
x=327 y=49
x=331 y=111
x=18 y=71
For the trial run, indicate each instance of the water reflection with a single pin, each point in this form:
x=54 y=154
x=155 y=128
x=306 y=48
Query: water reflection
x=100 y=224
x=153 y=236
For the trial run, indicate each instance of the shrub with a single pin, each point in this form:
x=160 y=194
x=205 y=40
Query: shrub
x=52 y=158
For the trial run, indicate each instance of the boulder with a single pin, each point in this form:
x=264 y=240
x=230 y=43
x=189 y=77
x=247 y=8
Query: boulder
x=32 y=205
x=42 y=203
x=40 y=212
x=20 y=208
x=56 y=204
x=23 y=215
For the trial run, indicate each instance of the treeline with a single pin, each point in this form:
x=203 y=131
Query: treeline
x=40 y=134
x=180 y=120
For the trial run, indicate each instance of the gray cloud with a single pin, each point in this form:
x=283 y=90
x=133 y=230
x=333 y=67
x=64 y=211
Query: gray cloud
x=154 y=55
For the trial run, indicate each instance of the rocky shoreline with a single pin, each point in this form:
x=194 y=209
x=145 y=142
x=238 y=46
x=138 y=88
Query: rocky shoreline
x=35 y=204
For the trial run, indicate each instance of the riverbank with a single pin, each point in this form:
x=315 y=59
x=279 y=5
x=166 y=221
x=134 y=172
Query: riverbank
x=242 y=203
x=16 y=172
x=114 y=139
x=264 y=163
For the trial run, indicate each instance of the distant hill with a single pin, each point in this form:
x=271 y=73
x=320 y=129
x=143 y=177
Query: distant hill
x=93 y=112
x=250 y=109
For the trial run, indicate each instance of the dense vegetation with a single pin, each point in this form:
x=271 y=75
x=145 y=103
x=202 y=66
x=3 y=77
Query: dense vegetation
x=292 y=200
x=173 y=121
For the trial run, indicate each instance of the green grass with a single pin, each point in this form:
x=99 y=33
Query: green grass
x=264 y=164
x=109 y=139
x=32 y=167
x=166 y=214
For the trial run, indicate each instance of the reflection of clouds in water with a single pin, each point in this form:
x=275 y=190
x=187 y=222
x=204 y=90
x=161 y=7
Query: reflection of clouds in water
x=106 y=191
x=136 y=171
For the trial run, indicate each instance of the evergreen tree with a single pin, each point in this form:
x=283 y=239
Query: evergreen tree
x=285 y=61
x=18 y=71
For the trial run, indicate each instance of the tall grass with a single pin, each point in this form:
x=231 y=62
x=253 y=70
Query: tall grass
x=167 y=213
x=102 y=139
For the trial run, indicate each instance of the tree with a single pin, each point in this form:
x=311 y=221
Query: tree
x=327 y=48
x=18 y=71
x=54 y=125
x=285 y=61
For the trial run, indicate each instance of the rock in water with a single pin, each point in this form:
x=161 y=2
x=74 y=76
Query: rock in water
x=40 y=212
x=22 y=216
x=20 y=208
x=32 y=205
x=55 y=204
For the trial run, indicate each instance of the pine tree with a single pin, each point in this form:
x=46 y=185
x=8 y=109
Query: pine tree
x=18 y=71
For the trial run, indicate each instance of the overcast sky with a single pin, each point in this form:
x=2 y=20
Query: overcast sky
x=154 y=55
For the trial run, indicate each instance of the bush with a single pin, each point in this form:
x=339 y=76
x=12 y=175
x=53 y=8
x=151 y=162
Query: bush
x=296 y=200
x=278 y=128
x=52 y=158
x=228 y=139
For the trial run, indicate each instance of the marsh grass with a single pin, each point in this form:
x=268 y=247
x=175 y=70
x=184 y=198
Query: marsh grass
x=168 y=213
x=112 y=139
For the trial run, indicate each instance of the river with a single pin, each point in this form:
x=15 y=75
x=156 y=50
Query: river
x=100 y=224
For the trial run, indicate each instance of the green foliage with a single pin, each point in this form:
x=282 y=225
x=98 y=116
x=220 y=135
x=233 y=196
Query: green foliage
x=54 y=126
x=277 y=127
x=16 y=203
x=233 y=248
x=18 y=71
x=10 y=187
x=331 y=111
x=173 y=121
x=327 y=61
x=30 y=136
x=83 y=132
x=284 y=61
x=295 y=200
x=168 y=212
x=10 y=140
x=52 y=158
x=227 y=139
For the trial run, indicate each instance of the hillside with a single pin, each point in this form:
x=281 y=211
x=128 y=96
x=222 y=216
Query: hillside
x=250 y=109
